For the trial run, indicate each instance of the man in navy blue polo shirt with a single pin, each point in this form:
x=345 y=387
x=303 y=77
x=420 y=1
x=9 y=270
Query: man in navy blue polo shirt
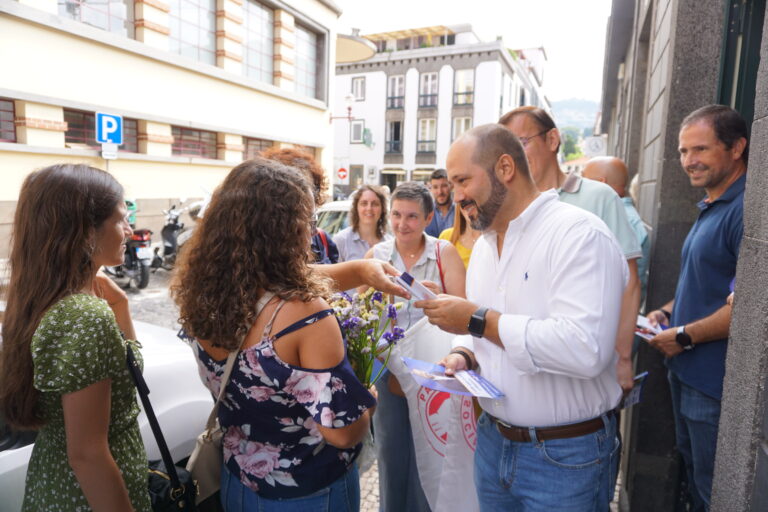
x=713 y=152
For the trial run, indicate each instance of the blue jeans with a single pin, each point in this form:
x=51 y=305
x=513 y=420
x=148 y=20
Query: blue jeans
x=696 y=420
x=568 y=475
x=343 y=495
x=399 y=484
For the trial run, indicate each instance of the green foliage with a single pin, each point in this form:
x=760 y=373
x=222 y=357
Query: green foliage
x=570 y=140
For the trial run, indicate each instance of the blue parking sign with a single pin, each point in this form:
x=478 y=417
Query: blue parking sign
x=109 y=128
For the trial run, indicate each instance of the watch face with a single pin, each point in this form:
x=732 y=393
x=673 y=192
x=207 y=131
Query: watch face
x=684 y=339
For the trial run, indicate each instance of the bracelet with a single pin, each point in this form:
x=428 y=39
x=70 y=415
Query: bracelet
x=666 y=314
x=467 y=359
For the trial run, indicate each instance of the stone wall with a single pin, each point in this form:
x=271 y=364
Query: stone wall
x=741 y=467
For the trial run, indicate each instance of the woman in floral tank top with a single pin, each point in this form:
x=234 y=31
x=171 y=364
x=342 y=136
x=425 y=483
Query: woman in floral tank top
x=294 y=413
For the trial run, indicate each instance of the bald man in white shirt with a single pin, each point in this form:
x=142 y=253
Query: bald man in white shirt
x=544 y=288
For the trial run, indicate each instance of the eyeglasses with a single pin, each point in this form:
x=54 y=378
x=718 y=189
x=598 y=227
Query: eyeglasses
x=525 y=140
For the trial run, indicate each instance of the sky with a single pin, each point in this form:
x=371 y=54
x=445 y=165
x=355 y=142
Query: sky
x=571 y=31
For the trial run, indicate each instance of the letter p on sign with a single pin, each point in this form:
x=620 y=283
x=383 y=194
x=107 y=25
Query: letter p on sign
x=109 y=129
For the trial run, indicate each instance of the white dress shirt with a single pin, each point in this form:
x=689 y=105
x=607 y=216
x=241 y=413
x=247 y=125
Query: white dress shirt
x=558 y=284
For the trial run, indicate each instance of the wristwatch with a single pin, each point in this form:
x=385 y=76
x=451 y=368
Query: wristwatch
x=683 y=338
x=476 y=326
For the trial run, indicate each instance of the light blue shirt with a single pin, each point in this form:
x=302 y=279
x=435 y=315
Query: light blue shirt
x=439 y=222
x=351 y=246
x=642 y=237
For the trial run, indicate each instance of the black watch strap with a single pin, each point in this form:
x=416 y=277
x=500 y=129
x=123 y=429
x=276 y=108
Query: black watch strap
x=476 y=326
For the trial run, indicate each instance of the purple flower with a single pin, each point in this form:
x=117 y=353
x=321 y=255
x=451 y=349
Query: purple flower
x=399 y=333
x=392 y=311
x=395 y=334
x=377 y=297
x=369 y=332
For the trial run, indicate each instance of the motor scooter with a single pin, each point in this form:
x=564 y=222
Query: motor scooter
x=138 y=254
x=170 y=233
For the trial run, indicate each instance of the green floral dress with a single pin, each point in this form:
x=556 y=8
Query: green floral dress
x=78 y=343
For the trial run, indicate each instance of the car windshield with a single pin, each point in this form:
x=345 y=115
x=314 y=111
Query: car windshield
x=332 y=221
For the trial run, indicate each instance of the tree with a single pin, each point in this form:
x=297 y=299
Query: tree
x=570 y=139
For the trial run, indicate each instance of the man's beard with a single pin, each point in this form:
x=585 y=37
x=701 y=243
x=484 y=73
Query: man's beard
x=487 y=212
x=448 y=200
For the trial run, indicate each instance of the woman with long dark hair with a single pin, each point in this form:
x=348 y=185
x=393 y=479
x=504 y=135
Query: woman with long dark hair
x=294 y=413
x=63 y=361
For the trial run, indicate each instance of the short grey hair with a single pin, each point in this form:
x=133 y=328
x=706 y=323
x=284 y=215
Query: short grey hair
x=414 y=191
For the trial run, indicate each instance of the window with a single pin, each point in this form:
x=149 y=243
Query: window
x=258 y=41
x=396 y=91
x=428 y=90
x=356 y=131
x=307 y=62
x=394 y=137
x=461 y=125
x=426 y=142
x=81 y=128
x=463 y=86
x=358 y=88
x=404 y=44
x=7 y=126
x=193 y=29
x=255 y=146
x=447 y=40
x=189 y=142
x=130 y=136
x=111 y=15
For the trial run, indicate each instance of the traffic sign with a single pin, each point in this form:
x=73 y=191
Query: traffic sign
x=109 y=128
x=343 y=176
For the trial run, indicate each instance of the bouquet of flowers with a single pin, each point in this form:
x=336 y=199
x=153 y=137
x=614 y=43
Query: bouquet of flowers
x=368 y=324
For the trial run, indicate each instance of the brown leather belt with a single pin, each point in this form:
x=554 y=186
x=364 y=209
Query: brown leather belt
x=522 y=434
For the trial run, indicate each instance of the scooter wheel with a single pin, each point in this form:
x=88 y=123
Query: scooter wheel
x=143 y=279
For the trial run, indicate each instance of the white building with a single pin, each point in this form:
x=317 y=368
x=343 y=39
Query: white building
x=422 y=89
x=201 y=85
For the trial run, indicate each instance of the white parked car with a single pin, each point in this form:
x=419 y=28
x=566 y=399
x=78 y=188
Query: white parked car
x=334 y=216
x=180 y=400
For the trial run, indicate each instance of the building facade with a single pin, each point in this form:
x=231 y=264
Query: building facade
x=422 y=89
x=201 y=85
x=664 y=59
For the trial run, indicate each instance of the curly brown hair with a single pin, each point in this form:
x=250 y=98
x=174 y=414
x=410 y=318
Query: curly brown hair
x=354 y=215
x=305 y=162
x=254 y=237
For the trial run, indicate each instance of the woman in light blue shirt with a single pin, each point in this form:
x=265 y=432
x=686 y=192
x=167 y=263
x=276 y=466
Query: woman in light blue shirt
x=368 y=218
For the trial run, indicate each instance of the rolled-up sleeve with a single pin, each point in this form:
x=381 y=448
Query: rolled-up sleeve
x=577 y=337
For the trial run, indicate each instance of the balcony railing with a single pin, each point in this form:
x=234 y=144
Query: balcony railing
x=427 y=100
x=395 y=101
x=426 y=146
x=394 y=147
x=463 y=98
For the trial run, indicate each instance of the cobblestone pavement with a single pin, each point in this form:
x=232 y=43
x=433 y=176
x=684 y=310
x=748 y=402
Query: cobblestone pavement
x=153 y=305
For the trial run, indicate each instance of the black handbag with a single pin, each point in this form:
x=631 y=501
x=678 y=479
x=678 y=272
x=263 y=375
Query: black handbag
x=171 y=488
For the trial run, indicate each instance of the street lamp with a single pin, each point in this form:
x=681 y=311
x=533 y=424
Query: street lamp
x=349 y=99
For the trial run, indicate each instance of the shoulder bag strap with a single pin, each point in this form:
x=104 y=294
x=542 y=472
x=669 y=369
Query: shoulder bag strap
x=211 y=424
x=440 y=266
x=141 y=386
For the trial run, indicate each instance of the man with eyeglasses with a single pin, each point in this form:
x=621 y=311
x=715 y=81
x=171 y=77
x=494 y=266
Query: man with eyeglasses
x=541 y=140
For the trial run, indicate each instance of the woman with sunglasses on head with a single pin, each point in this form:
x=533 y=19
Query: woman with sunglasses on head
x=63 y=362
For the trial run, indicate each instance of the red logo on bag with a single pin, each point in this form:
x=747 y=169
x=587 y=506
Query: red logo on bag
x=435 y=419
x=469 y=421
